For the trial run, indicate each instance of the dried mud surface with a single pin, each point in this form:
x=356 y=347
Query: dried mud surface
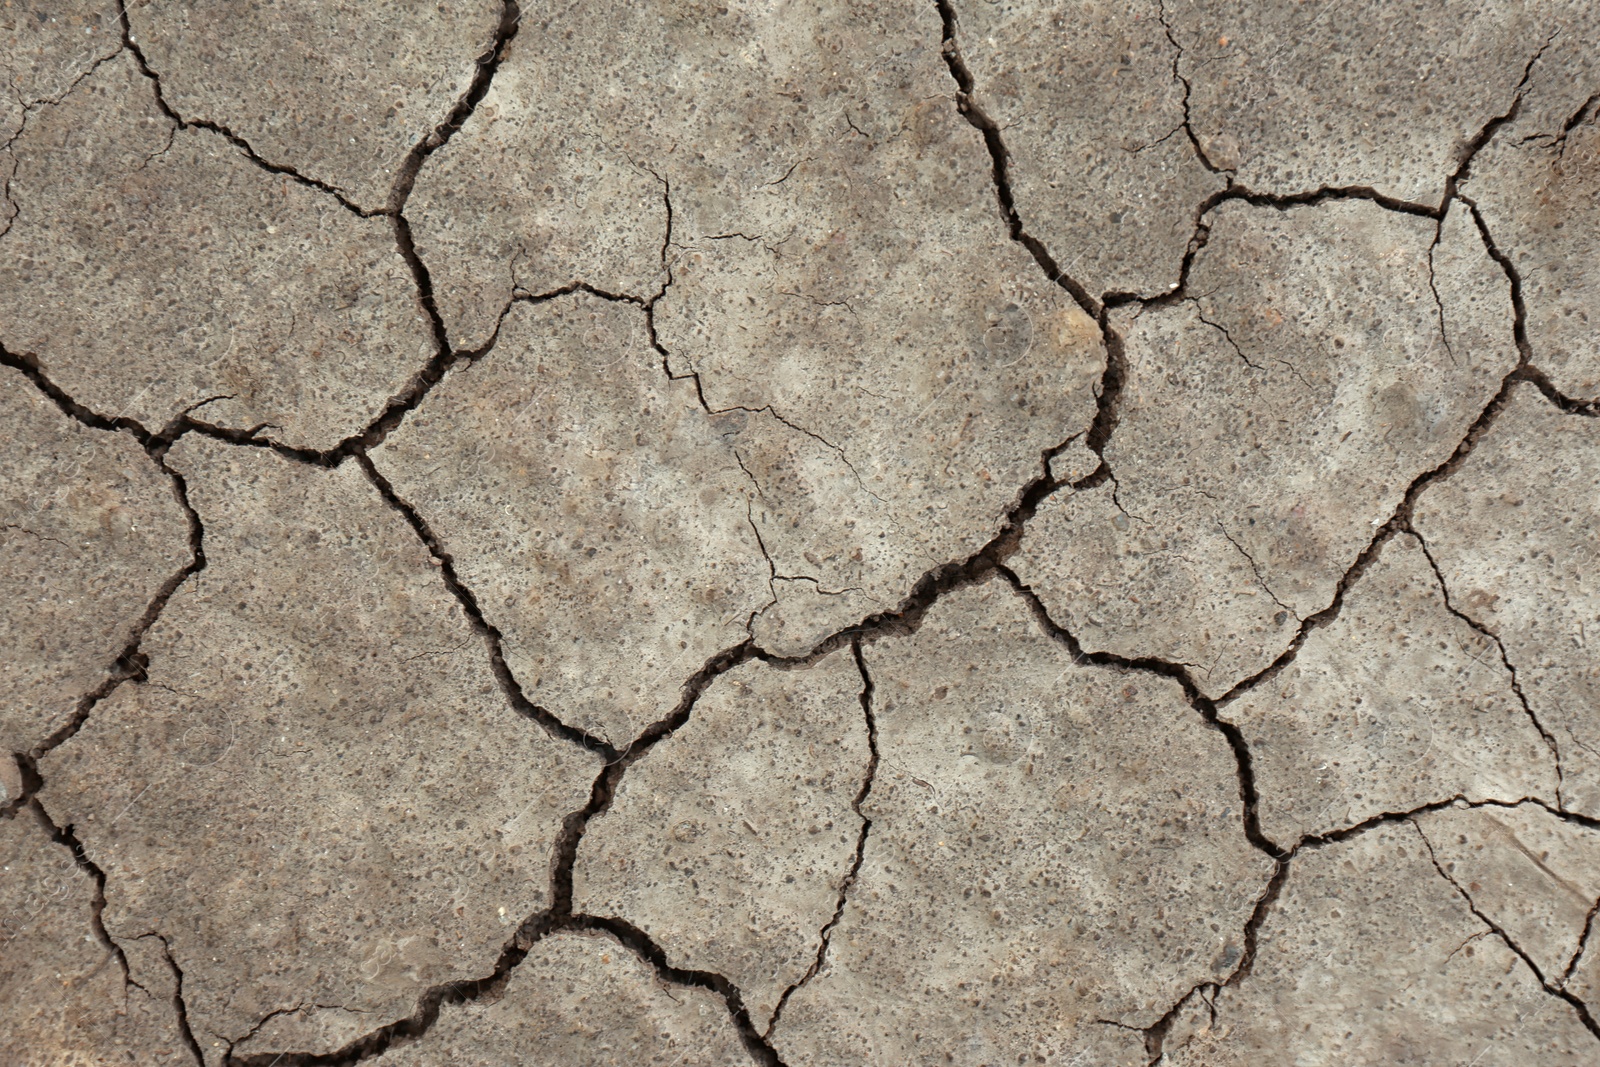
x=964 y=532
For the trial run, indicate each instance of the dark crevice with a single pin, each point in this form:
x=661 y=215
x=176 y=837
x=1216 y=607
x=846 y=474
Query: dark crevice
x=65 y=837
x=130 y=663
x=1401 y=519
x=1505 y=660
x=1179 y=673
x=1583 y=944
x=557 y=916
x=1470 y=150
x=1579 y=1008
x=1109 y=392
x=849 y=881
x=482 y=78
x=218 y=128
x=967 y=104
x=1255 y=569
x=1157 y=1033
x=1569 y=405
x=488 y=631
x=180 y=1008
x=1187 y=126
x=410 y=1028
x=421 y=383
x=640 y=944
x=1433 y=285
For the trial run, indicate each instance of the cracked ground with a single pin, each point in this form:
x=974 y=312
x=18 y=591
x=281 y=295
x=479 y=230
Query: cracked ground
x=973 y=532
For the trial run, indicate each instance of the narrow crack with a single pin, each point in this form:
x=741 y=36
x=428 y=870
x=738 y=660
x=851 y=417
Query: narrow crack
x=1505 y=660
x=1433 y=285
x=66 y=838
x=1157 y=1033
x=130 y=663
x=1579 y=1008
x=1568 y=405
x=825 y=936
x=1203 y=705
x=1583 y=944
x=641 y=945
x=132 y=47
x=1401 y=518
x=1254 y=569
x=1187 y=125
x=179 y=1007
x=556 y=917
x=490 y=633
x=1485 y=134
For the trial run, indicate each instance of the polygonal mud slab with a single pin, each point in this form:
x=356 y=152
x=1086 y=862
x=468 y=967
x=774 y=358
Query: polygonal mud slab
x=1538 y=187
x=316 y=86
x=153 y=270
x=837 y=273
x=319 y=798
x=581 y=999
x=1056 y=854
x=1513 y=533
x=592 y=508
x=729 y=842
x=1395 y=704
x=65 y=997
x=1370 y=955
x=1091 y=114
x=44 y=51
x=1350 y=93
x=1531 y=873
x=1271 y=421
x=91 y=532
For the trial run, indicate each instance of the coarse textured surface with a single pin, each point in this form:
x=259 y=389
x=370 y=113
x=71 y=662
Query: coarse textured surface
x=1372 y=955
x=592 y=505
x=1293 y=97
x=581 y=999
x=1346 y=378
x=731 y=844
x=316 y=744
x=1513 y=531
x=1534 y=875
x=889 y=400
x=808 y=534
x=92 y=533
x=1538 y=186
x=1093 y=114
x=308 y=86
x=44 y=52
x=153 y=270
x=68 y=995
x=1018 y=834
x=1397 y=703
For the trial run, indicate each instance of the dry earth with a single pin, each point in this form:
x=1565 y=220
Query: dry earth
x=974 y=532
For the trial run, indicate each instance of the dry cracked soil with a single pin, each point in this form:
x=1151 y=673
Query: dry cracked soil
x=967 y=532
